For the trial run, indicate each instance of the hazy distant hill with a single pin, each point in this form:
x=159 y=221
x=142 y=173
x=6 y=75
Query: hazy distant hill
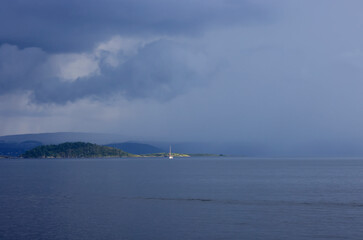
x=75 y=150
x=61 y=137
x=136 y=148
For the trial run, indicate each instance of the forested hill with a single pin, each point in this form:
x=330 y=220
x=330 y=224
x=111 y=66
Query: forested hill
x=75 y=150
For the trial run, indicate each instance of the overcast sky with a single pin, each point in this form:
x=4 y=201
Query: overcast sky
x=277 y=72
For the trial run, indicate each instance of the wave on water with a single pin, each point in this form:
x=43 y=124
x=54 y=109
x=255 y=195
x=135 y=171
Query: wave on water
x=175 y=199
x=68 y=198
x=257 y=202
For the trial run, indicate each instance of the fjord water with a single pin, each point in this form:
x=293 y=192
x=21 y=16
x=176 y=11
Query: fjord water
x=185 y=198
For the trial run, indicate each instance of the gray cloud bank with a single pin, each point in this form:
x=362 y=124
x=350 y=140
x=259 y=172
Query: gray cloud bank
x=77 y=25
x=160 y=70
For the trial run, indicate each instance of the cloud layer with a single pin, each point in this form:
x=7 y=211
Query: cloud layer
x=160 y=69
x=60 y=52
x=78 y=25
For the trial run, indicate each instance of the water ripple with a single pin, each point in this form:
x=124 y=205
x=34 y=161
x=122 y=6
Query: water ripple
x=264 y=203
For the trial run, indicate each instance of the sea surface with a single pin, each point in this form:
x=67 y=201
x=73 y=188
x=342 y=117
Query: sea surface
x=183 y=198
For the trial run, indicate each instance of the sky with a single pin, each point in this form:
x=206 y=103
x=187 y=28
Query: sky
x=282 y=74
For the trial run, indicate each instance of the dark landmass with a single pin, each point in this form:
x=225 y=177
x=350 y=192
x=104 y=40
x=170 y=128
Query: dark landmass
x=13 y=146
x=14 y=149
x=110 y=139
x=136 y=148
x=75 y=150
x=35 y=149
x=90 y=150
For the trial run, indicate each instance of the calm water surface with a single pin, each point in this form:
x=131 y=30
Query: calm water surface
x=194 y=198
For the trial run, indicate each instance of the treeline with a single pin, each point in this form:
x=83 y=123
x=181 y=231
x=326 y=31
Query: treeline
x=75 y=150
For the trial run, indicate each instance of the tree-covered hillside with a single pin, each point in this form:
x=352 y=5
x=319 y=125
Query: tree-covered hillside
x=75 y=150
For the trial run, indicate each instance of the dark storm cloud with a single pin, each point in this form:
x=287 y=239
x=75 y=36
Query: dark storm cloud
x=77 y=25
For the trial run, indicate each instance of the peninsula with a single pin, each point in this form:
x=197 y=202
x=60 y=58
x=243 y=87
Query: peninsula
x=90 y=150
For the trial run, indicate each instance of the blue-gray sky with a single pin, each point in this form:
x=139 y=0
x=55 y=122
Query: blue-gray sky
x=278 y=74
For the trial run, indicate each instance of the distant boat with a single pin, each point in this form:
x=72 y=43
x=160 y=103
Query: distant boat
x=170 y=156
